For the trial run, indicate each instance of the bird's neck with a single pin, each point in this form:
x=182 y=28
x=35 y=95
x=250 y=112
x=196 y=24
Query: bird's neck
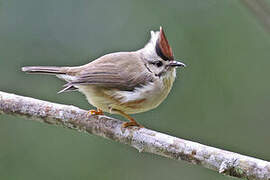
x=168 y=79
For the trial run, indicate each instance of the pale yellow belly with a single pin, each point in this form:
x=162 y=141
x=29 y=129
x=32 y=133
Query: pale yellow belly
x=140 y=100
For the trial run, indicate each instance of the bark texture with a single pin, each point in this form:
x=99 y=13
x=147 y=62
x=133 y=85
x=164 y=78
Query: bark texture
x=261 y=11
x=145 y=140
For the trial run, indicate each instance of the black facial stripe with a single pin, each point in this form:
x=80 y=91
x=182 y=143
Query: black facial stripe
x=160 y=54
x=148 y=68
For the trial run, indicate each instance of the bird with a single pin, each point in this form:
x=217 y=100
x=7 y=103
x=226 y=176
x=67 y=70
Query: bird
x=122 y=83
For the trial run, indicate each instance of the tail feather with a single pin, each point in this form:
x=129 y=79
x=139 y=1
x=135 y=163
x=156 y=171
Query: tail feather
x=44 y=69
x=68 y=88
x=60 y=72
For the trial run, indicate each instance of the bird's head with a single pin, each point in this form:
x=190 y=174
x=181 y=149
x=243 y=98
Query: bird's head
x=158 y=54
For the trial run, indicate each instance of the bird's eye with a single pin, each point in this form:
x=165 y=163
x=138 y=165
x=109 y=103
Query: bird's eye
x=159 y=63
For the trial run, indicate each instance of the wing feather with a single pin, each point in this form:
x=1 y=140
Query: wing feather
x=121 y=71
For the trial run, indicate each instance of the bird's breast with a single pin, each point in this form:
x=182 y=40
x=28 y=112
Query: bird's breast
x=146 y=97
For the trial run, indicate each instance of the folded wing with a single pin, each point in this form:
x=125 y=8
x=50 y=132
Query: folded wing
x=123 y=72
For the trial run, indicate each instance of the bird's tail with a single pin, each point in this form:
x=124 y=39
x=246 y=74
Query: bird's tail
x=60 y=72
x=44 y=69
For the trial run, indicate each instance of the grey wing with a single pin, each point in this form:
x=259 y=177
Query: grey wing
x=120 y=75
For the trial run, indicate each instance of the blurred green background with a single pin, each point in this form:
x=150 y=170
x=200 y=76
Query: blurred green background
x=221 y=99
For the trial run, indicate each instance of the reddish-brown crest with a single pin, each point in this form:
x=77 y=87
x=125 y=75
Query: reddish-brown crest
x=164 y=45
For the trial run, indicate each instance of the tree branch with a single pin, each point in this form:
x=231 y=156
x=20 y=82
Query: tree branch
x=143 y=139
x=261 y=11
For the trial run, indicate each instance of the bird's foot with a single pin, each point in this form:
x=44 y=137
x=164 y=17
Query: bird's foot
x=96 y=112
x=132 y=123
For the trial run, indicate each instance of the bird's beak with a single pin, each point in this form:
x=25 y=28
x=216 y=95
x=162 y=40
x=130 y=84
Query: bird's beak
x=176 y=64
